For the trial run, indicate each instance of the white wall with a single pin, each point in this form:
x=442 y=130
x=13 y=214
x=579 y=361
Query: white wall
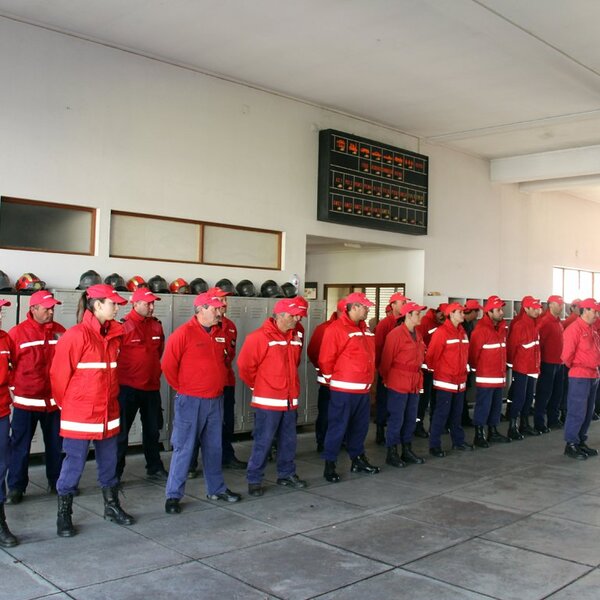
x=85 y=124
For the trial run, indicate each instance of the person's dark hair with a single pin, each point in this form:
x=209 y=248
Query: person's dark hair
x=84 y=304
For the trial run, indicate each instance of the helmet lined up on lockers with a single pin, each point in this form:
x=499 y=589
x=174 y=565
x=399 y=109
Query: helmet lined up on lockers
x=179 y=286
x=136 y=282
x=270 y=289
x=116 y=281
x=289 y=289
x=5 y=285
x=226 y=286
x=246 y=288
x=198 y=286
x=29 y=283
x=158 y=285
x=88 y=279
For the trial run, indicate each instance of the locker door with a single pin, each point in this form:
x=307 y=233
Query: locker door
x=10 y=313
x=316 y=315
x=163 y=311
x=236 y=309
x=66 y=313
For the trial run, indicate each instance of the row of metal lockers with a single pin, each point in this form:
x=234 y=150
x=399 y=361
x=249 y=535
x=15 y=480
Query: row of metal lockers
x=174 y=310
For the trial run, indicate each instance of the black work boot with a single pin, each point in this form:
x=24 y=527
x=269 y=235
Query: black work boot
x=409 y=457
x=495 y=437
x=513 y=431
x=479 y=439
x=527 y=429
x=393 y=458
x=7 y=539
x=587 y=450
x=112 y=507
x=361 y=464
x=64 y=524
x=574 y=451
x=380 y=435
x=330 y=473
x=420 y=431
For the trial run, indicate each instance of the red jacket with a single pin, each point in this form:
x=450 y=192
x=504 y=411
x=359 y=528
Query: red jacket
x=428 y=325
x=487 y=353
x=6 y=352
x=381 y=332
x=84 y=379
x=569 y=320
x=142 y=347
x=551 y=338
x=34 y=351
x=229 y=332
x=447 y=356
x=523 y=346
x=268 y=365
x=194 y=360
x=314 y=346
x=347 y=356
x=401 y=361
x=581 y=350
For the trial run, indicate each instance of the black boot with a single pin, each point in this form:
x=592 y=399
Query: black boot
x=479 y=439
x=420 y=431
x=574 y=451
x=7 y=539
x=495 y=437
x=513 y=431
x=64 y=524
x=409 y=457
x=527 y=429
x=361 y=464
x=112 y=507
x=380 y=435
x=330 y=473
x=393 y=458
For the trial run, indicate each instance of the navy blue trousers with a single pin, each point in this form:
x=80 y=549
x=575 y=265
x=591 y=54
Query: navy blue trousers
x=427 y=397
x=149 y=405
x=348 y=418
x=4 y=453
x=448 y=409
x=76 y=453
x=488 y=407
x=580 y=408
x=322 y=408
x=548 y=395
x=23 y=427
x=402 y=417
x=522 y=395
x=381 y=408
x=267 y=425
x=196 y=419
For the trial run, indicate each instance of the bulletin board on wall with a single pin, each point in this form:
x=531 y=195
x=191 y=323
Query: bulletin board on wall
x=365 y=183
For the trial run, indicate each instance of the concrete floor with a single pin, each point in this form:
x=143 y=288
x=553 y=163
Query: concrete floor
x=514 y=521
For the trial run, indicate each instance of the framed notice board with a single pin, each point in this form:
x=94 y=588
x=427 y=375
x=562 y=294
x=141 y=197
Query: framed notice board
x=368 y=184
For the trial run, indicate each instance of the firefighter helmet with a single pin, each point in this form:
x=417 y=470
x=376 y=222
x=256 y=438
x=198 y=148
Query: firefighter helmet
x=87 y=279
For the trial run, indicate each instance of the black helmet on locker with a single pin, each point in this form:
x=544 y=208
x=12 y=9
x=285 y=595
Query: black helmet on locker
x=270 y=289
x=5 y=283
x=289 y=290
x=245 y=288
x=87 y=279
x=29 y=283
x=198 y=286
x=116 y=281
x=226 y=286
x=158 y=285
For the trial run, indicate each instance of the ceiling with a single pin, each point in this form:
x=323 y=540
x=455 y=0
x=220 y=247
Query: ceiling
x=492 y=78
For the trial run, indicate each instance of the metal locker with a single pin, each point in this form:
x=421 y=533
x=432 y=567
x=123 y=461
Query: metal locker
x=66 y=313
x=236 y=309
x=316 y=315
x=9 y=313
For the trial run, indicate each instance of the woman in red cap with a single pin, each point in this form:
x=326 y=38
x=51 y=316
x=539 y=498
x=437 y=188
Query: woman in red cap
x=86 y=388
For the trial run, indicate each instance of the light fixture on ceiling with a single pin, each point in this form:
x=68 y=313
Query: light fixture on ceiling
x=352 y=245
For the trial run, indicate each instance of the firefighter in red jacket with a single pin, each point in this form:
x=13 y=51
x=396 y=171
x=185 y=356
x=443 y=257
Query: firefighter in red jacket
x=314 y=347
x=401 y=369
x=268 y=365
x=447 y=356
x=487 y=360
x=194 y=365
x=549 y=389
x=86 y=388
x=35 y=341
x=347 y=361
x=397 y=300
x=581 y=354
x=139 y=379
x=523 y=353
x=7 y=539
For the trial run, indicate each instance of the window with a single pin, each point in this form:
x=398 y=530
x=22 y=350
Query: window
x=575 y=283
x=46 y=227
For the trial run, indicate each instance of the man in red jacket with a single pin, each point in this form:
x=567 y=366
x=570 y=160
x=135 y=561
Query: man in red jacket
x=581 y=354
x=397 y=300
x=523 y=353
x=314 y=347
x=487 y=359
x=548 y=394
x=268 y=365
x=447 y=356
x=35 y=342
x=347 y=361
x=194 y=365
x=139 y=379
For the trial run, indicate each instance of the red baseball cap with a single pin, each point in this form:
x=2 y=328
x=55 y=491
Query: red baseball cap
x=341 y=305
x=208 y=299
x=557 y=299
x=302 y=303
x=4 y=302
x=43 y=298
x=450 y=308
x=493 y=302
x=358 y=298
x=473 y=305
x=290 y=306
x=589 y=303
x=398 y=297
x=218 y=292
x=103 y=290
x=531 y=302
x=144 y=295
x=409 y=307
x=442 y=307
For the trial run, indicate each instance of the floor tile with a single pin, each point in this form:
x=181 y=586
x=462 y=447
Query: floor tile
x=584 y=508
x=585 y=588
x=19 y=582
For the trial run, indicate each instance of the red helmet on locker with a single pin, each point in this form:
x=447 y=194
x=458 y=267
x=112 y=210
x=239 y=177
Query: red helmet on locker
x=135 y=282
x=28 y=282
x=179 y=286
